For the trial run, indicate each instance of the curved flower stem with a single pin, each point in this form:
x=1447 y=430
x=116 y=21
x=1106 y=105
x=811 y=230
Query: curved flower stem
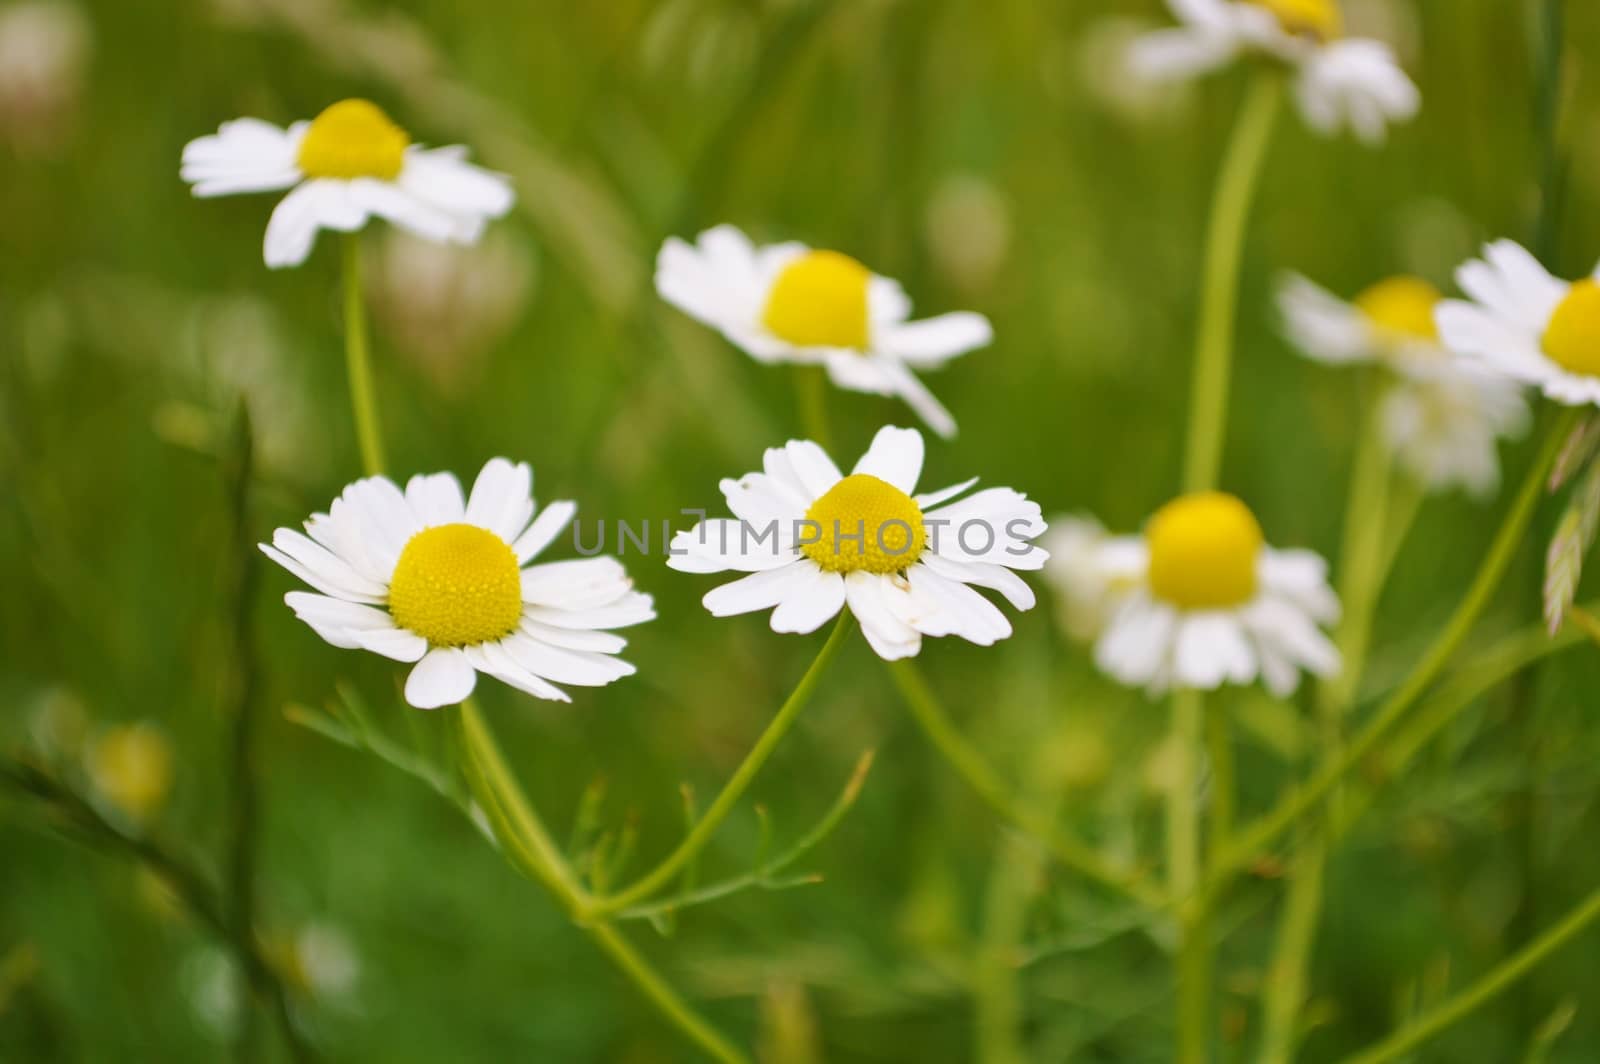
x=358 y=360
x=1230 y=208
x=1193 y=961
x=1503 y=976
x=994 y=791
x=531 y=848
x=1248 y=843
x=663 y=874
x=1362 y=569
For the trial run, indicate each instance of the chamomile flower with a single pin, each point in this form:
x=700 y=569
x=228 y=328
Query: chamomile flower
x=1443 y=413
x=815 y=541
x=1203 y=601
x=1526 y=325
x=432 y=577
x=792 y=303
x=1339 y=81
x=349 y=164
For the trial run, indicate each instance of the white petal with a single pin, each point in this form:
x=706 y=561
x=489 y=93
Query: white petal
x=917 y=396
x=889 y=636
x=719 y=544
x=935 y=341
x=1320 y=324
x=394 y=204
x=395 y=643
x=563 y=665
x=934 y=498
x=501 y=499
x=984 y=574
x=292 y=229
x=336 y=613
x=812 y=467
x=895 y=456
x=494 y=659
x=436 y=499
x=545 y=528
x=759 y=591
x=442 y=179
x=443 y=677
x=577 y=584
x=810 y=601
x=632 y=608
x=245 y=155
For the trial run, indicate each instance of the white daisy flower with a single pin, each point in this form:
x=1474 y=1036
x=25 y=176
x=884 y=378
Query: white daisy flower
x=815 y=541
x=791 y=303
x=1527 y=325
x=349 y=164
x=428 y=576
x=1204 y=601
x=1443 y=414
x=1338 y=81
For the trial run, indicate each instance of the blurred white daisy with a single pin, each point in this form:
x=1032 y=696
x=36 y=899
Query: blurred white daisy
x=1086 y=593
x=349 y=164
x=431 y=577
x=1443 y=414
x=1527 y=325
x=788 y=302
x=44 y=53
x=1204 y=601
x=1338 y=81
x=815 y=541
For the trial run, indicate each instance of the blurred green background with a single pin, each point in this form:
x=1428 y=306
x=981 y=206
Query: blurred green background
x=986 y=153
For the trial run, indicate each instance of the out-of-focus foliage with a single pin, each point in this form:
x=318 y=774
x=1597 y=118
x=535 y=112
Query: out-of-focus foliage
x=985 y=153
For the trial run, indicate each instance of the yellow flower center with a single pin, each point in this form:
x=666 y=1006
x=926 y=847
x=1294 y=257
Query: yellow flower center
x=820 y=300
x=1320 y=19
x=1401 y=308
x=353 y=138
x=1572 y=339
x=456 y=585
x=1203 y=551
x=864 y=524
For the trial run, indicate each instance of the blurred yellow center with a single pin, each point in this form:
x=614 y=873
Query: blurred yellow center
x=456 y=585
x=1401 y=307
x=132 y=766
x=353 y=138
x=864 y=524
x=1572 y=339
x=1314 y=18
x=1203 y=551
x=820 y=300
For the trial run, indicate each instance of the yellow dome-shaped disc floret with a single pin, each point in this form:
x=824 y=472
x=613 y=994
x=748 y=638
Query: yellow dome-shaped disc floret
x=456 y=585
x=353 y=138
x=1572 y=339
x=1320 y=19
x=1203 y=551
x=863 y=524
x=820 y=300
x=1401 y=308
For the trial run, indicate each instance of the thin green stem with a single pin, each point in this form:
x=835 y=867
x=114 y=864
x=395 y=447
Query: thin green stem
x=1485 y=989
x=997 y=1002
x=663 y=874
x=1230 y=209
x=659 y=991
x=240 y=685
x=1251 y=840
x=811 y=387
x=1219 y=752
x=992 y=788
x=1193 y=960
x=1362 y=570
x=522 y=832
x=358 y=361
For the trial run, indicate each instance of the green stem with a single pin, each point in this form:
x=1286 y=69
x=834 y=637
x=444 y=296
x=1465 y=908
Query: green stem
x=1250 y=841
x=1362 y=569
x=1485 y=989
x=358 y=361
x=1193 y=960
x=997 y=1027
x=1230 y=209
x=1219 y=751
x=811 y=386
x=662 y=875
x=992 y=788
x=531 y=847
